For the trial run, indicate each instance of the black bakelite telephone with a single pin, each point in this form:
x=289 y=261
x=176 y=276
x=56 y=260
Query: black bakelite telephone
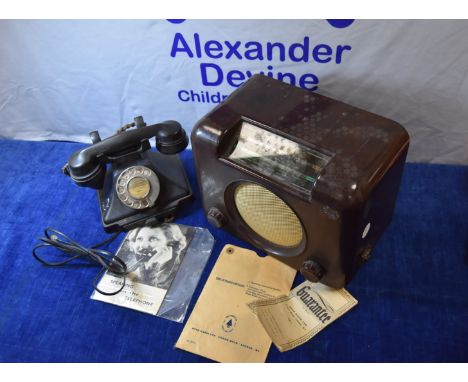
x=136 y=186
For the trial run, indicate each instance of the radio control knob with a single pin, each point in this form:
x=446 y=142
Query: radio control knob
x=215 y=217
x=312 y=270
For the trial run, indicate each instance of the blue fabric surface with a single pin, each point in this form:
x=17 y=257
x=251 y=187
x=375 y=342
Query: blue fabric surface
x=413 y=294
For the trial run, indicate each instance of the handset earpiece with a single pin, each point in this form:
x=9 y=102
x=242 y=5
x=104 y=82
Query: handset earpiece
x=171 y=138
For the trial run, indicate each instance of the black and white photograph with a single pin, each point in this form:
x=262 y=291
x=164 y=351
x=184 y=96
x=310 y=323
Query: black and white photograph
x=153 y=256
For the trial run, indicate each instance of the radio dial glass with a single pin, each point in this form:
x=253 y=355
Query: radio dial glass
x=279 y=158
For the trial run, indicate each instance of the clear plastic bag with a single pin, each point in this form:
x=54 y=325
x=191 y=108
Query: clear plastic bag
x=165 y=264
x=177 y=299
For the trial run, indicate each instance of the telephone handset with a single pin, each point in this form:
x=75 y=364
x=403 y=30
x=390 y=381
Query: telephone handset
x=136 y=186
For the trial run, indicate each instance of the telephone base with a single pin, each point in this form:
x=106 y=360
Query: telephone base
x=175 y=191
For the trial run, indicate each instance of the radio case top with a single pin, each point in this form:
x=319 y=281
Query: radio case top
x=336 y=167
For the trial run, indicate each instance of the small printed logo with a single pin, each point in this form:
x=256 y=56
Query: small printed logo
x=229 y=323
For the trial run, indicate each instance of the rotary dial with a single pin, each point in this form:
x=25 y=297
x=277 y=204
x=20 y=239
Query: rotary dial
x=138 y=187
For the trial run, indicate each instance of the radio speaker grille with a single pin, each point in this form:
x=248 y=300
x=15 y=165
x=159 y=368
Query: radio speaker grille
x=268 y=215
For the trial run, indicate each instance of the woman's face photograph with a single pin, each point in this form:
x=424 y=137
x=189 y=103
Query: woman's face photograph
x=149 y=242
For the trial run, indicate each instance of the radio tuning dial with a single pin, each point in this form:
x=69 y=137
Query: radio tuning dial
x=215 y=217
x=312 y=271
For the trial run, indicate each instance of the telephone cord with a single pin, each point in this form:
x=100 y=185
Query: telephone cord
x=72 y=249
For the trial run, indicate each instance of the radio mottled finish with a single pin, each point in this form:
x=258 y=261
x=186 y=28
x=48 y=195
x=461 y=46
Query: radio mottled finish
x=305 y=178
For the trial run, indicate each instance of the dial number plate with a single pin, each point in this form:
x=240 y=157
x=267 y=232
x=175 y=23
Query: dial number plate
x=138 y=187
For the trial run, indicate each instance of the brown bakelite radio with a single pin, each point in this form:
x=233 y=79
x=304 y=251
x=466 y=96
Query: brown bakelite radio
x=305 y=178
